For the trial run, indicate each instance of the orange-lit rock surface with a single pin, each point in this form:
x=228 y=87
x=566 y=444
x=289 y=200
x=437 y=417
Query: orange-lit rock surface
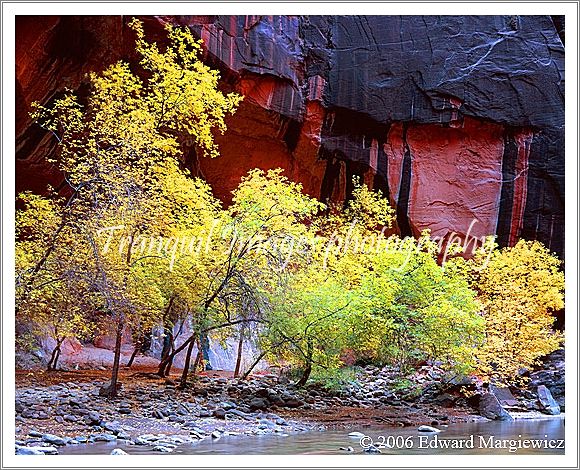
x=454 y=118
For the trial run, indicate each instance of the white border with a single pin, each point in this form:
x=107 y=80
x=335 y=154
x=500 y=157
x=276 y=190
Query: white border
x=237 y=8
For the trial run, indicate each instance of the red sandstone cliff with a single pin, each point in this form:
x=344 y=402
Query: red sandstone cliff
x=456 y=119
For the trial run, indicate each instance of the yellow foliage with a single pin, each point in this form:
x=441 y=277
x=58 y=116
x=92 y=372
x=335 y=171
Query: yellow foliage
x=520 y=288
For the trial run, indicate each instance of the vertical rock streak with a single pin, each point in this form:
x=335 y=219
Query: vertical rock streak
x=327 y=96
x=523 y=141
x=404 y=188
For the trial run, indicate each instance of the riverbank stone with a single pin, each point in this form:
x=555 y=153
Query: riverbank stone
x=38 y=450
x=490 y=407
x=54 y=440
x=118 y=452
x=547 y=403
x=425 y=428
x=105 y=437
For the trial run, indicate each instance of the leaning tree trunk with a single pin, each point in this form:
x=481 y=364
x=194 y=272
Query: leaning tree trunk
x=239 y=358
x=55 y=365
x=135 y=351
x=197 y=360
x=169 y=364
x=162 y=370
x=259 y=358
x=167 y=339
x=185 y=371
x=112 y=389
x=308 y=369
x=254 y=364
x=54 y=356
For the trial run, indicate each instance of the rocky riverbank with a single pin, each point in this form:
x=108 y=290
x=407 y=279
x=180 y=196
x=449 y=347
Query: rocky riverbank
x=63 y=409
x=155 y=413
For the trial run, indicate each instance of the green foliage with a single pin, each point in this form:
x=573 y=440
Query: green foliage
x=306 y=324
x=335 y=380
x=409 y=309
x=407 y=389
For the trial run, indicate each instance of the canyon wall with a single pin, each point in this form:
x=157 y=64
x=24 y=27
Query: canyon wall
x=459 y=120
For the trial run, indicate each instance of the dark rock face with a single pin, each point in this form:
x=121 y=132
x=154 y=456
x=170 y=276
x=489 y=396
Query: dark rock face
x=490 y=407
x=551 y=375
x=455 y=118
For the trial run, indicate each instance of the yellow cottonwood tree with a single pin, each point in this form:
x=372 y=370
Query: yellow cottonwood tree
x=119 y=152
x=520 y=288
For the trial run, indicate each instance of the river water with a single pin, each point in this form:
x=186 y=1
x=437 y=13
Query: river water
x=484 y=437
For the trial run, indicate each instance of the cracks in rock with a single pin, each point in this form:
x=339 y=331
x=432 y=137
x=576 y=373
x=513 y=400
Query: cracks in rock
x=370 y=31
x=259 y=66
x=405 y=188
x=401 y=33
x=428 y=37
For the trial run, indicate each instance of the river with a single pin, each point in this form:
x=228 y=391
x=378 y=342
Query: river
x=482 y=436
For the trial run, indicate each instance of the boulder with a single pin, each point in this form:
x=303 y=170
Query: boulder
x=112 y=426
x=118 y=452
x=105 y=437
x=372 y=450
x=53 y=439
x=547 y=403
x=293 y=402
x=104 y=390
x=204 y=413
x=490 y=407
x=445 y=399
x=23 y=450
x=258 y=403
x=348 y=449
x=263 y=392
x=123 y=435
x=219 y=413
x=504 y=396
x=140 y=441
x=163 y=449
x=425 y=428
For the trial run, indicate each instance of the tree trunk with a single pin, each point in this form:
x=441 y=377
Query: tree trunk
x=167 y=333
x=259 y=358
x=135 y=351
x=55 y=365
x=167 y=343
x=254 y=364
x=112 y=389
x=308 y=369
x=54 y=357
x=185 y=371
x=49 y=365
x=162 y=371
x=239 y=358
x=169 y=365
x=197 y=361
